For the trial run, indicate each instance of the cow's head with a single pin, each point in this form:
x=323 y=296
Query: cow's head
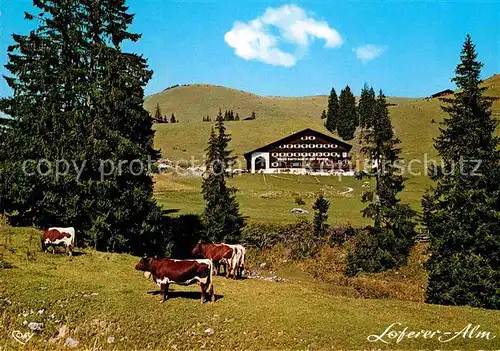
x=144 y=264
x=197 y=250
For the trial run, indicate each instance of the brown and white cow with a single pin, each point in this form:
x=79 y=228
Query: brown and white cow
x=220 y=254
x=59 y=236
x=167 y=271
x=238 y=260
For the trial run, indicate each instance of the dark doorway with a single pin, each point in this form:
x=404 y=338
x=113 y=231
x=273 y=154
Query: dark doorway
x=260 y=163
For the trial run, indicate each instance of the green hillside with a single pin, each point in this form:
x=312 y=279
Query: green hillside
x=416 y=120
x=106 y=304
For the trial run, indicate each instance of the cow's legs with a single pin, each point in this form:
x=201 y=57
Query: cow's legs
x=212 y=295
x=203 y=289
x=227 y=269
x=217 y=267
x=163 y=292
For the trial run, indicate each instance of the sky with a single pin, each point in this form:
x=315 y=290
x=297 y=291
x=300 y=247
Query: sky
x=406 y=48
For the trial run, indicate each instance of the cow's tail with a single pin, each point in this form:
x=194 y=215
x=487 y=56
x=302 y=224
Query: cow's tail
x=42 y=241
x=211 y=278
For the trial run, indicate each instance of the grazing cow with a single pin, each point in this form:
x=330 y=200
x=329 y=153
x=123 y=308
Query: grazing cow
x=167 y=271
x=238 y=260
x=220 y=254
x=59 y=236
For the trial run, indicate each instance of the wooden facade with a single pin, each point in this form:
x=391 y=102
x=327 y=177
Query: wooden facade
x=307 y=151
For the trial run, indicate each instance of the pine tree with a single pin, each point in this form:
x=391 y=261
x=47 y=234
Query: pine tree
x=172 y=118
x=332 y=115
x=158 y=116
x=252 y=116
x=320 y=207
x=348 y=115
x=237 y=118
x=461 y=213
x=366 y=107
x=88 y=108
x=222 y=220
x=386 y=244
x=323 y=114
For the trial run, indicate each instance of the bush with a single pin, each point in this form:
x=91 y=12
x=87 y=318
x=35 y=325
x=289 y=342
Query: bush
x=297 y=239
x=299 y=200
x=262 y=235
x=375 y=252
x=341 y=234
x=407 y=283
x=184 y=233
x=300 y=241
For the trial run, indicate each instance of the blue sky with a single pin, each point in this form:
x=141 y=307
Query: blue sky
x=407 y=48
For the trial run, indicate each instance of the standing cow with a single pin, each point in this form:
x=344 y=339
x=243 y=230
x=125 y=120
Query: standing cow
x=59 y=236
x=220 y=254
x=167 y=271
x=238 y=261
x=232 y=257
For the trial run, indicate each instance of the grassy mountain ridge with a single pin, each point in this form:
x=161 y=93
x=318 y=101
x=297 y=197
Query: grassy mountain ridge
x=191 y=102
x=416 y=121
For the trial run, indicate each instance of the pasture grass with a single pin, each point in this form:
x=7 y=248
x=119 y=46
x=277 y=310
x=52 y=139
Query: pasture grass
x=99 y=295
x=269 y=198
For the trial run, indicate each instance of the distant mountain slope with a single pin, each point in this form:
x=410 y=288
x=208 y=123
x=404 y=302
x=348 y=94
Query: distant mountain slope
x=416 y=120
x=191 y=102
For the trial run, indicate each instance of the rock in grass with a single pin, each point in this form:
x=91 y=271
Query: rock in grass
x=34 y=326
x=60 y=334
x=111 y=340
x=71 y=343
x=209 y=331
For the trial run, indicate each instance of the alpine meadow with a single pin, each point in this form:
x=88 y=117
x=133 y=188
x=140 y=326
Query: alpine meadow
x=210 y=175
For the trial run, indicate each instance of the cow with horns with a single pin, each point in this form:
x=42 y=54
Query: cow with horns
x=167 y=271
x=59 y=236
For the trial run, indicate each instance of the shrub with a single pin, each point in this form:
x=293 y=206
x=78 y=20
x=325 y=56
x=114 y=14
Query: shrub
x=376 y=251
x=262 y=235
x=341 y=234
x=300 y=241
x=299 y=200
x=407 y=283
x=184 y=233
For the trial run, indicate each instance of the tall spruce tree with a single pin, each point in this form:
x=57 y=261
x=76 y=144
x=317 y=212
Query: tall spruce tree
x=157 y=115
x=461 y=213
x=366 y=106
x=386 y=244
x=79 y=99
x=172 y=119
x=221 y=218
x=348 y=114
x=320 y=207
x=332 y=114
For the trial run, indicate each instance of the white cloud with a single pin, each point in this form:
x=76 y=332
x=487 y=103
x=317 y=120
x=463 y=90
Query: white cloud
x=369 y=52
x=253 y=40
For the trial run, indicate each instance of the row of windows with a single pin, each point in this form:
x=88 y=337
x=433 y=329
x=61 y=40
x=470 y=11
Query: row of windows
x=308 y=146
x=308 y=154
x=299 y=164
